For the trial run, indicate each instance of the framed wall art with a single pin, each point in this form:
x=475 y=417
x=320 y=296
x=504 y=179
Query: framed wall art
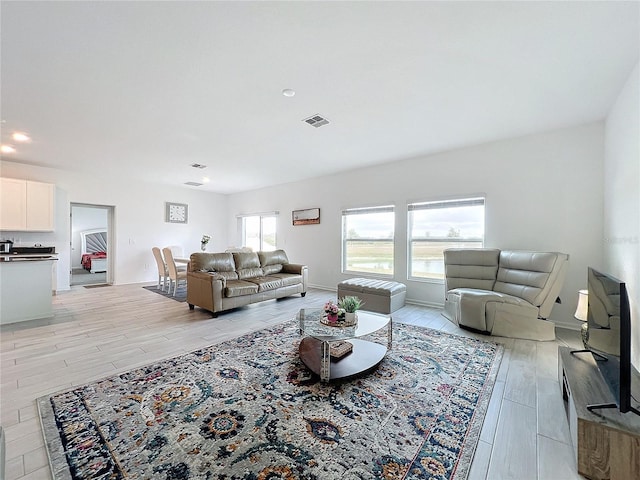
x=176 y=212
x=309 y=216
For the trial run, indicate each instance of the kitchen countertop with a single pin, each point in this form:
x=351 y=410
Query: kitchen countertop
x=27 y=257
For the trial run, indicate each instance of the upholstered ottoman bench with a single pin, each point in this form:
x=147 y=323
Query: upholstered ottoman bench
x=378 y=295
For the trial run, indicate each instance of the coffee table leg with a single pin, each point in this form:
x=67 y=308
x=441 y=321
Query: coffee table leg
x=390 y=334
x=325 y=363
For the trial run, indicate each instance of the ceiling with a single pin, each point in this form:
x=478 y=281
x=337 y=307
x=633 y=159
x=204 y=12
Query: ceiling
x=144 y=89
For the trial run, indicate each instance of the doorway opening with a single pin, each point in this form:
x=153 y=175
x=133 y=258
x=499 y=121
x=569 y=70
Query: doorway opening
x=91 y=244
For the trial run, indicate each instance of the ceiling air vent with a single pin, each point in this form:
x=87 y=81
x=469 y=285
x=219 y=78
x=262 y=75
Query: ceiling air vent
x=193 y=184
x=316 y=121
x=198 y=165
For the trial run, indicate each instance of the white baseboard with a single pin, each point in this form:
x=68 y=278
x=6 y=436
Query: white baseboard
x=322 y=287
x=422 y=303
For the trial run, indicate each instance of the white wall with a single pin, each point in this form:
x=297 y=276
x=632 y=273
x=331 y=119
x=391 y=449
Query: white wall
x=543 y=192
x=622 y=198
x=139 y=219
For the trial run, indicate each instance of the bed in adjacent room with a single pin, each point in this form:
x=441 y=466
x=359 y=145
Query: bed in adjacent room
x=94 y=250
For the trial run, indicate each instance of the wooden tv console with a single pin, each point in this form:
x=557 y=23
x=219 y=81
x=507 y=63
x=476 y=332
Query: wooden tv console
x=606 y=442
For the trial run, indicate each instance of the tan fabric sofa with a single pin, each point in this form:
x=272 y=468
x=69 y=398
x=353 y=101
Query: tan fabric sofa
x=221 y=281
x=503 y=293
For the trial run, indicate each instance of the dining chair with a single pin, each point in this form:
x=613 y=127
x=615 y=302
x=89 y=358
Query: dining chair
x=163 y=273
x=178 y=256
x=175 y=275
x=176 y=250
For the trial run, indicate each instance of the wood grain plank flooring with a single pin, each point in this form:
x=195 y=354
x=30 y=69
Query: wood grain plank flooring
x=104 y=331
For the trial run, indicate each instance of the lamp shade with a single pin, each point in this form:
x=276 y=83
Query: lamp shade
x=583 y=301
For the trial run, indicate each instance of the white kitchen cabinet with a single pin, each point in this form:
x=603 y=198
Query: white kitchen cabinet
x=13 y=204
x=26 y=205
x=40 y=206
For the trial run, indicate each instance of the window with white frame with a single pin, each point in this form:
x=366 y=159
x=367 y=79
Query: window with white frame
x=367 y=240
x=259 y=232
x=436 y=226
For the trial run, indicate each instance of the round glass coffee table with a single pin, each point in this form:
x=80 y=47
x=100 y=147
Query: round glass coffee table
x=315 y=347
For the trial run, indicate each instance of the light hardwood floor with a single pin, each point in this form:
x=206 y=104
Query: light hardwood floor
x=103 y=331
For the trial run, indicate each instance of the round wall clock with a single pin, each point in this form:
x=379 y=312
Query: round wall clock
x=176 y=212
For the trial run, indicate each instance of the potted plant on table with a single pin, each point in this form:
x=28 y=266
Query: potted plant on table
x=331 y=311
x=350 y=305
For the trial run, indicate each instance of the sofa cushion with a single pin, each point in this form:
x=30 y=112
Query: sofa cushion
x=247 y=273
x=271 y=269
x=288 y=279
x=220 y=263
x=247 y=265
x=272 y=258
x=246 y=260
x=271 y=262
x=237 y=288
x=266 y=283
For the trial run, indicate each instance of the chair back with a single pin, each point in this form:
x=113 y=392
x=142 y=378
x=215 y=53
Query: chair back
x=470 y=268
x=176 y=250
x=171 y=264
x=537 y=277
x=162 y=267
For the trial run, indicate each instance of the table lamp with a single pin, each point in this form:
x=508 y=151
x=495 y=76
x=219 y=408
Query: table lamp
x=583 y=301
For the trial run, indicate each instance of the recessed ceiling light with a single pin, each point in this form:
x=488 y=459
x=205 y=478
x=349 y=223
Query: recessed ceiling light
x=288 y=92
x=7 y=149
x=205 y=180
x=21 y=137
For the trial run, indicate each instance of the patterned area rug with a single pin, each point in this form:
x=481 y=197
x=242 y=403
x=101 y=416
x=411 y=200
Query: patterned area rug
x=249 y=409
x=180 y=296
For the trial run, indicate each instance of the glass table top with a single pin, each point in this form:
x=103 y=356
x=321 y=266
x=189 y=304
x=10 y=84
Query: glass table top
x=368 y=323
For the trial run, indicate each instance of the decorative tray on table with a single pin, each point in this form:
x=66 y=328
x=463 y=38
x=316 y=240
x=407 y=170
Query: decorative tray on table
x=346 y=321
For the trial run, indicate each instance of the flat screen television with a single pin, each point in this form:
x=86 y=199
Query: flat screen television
x=609 y=337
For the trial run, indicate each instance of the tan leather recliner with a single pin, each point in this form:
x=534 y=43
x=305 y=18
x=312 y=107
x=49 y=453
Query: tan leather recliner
x=503 y=293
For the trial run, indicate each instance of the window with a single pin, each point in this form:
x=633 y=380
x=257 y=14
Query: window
x=259 y=232
x=367 y=240
x=436 y=226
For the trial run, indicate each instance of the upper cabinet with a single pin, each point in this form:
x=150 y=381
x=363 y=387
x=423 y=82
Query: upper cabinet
x=13 y=204
x=26 y=205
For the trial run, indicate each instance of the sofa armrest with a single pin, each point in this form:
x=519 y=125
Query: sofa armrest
x=205 y=290
x=297 y=269
x=293 y=268
x=208 y=277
